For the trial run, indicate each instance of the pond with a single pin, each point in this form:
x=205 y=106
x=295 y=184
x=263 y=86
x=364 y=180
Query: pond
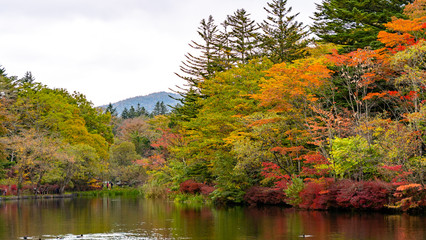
x=136 y=218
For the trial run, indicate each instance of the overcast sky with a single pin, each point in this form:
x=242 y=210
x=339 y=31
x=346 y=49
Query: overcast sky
x=111 y=50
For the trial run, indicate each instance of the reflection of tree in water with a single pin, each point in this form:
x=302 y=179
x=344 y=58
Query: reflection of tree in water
x=112 y=218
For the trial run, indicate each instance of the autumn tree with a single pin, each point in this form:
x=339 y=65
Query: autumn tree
x=361 y=79
x=33 y=154
x=417 y=9
x=291 y=90
x=137 y=131
x=44 y=124
x=206 y=156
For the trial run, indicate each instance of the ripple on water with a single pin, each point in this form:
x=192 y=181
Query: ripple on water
x=101 y=236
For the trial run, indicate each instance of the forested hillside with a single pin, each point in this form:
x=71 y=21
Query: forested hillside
x=148 y=102
x=267 y=116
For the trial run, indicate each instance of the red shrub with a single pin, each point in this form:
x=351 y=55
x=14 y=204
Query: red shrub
x=206 y=190
x=316 y=194
x=312 y=160
x=190 y=186
x=193 y=187
x=327 y=198
x=264 y=196
x=272 y=172
x=364 y=195
x=310 y=195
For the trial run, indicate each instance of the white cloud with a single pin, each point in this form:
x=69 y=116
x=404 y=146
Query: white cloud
x=109 y=49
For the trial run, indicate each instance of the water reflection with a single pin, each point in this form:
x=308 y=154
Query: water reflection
x=133 y=218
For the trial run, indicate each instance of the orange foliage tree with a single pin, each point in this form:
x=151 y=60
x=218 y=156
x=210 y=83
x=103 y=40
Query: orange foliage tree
x=290 y=92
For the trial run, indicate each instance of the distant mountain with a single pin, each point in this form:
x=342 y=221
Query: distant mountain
x=148 y=101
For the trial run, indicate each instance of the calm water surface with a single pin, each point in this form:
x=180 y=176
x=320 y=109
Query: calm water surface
x=134 y=218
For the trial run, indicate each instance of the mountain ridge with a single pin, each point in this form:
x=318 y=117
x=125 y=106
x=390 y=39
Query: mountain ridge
x=147 y=101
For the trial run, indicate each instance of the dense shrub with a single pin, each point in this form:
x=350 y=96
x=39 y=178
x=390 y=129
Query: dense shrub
x=409 y=197
x=206 y=190
x=310 y=195
x=364 y=195
x=345 y=194
x=227 y=196
x=190 y=186
x=193 y=187
x=264 y=196
x=315 y=194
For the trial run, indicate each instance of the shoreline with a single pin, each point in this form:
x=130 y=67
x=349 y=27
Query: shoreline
x=46 y=196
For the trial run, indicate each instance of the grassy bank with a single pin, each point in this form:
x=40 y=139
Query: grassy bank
x=117 y=191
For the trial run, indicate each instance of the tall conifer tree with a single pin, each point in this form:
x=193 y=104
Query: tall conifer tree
x=204 y=65
x=196 y=68
x=355 y=23
x=283 y=37
x=243 y=36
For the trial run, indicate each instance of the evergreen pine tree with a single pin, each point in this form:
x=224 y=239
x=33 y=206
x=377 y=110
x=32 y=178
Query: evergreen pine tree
x=28 y=78
x=197 y=68
x=132 y=112
x=141 y=111
x=111 y=109
x=243 y=36
x=283 y=37
x=204 y=65
x=355 y=23
x=2 y=71
x=226 y=55
x=188 y=107
x=157 y=109
x=125 y=113
x=163 y=108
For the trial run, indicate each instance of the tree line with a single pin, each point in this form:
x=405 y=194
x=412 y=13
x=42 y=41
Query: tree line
x=266 y=113
x=159 y=109
x=264 y=106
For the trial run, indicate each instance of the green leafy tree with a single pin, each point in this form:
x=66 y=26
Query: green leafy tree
x=96 y=121
x=123 y=154
x=206 y=154
x=354 y=158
